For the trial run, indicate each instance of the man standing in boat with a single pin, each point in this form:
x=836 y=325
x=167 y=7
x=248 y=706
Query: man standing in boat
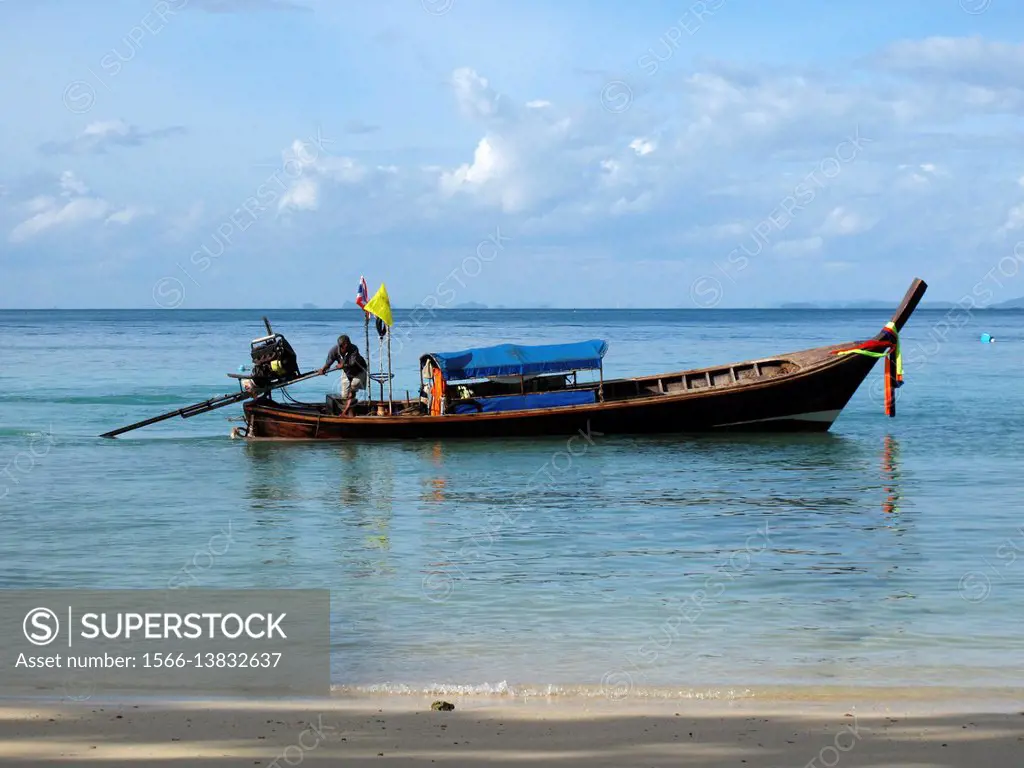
x=346 y=355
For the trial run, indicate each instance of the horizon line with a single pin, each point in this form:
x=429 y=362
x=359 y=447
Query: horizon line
x=484 y=309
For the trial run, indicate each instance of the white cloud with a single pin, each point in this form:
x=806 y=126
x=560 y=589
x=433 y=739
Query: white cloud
x=838 y=266
x=303 y=195
x=69 y=214
x=74 y=206
x=919 y=176
x=184 y=225
x=531 y=162
x=698 y=171
x=965 y=59
x=728 y=231
x=535 y=161
x=642 y=146
x=1014 y=219
x=310 y=167
x=127 y=215
x=624 y=206
x=807 y=246
x=72 y=185
x=842 y=221
x=107 y=128
x=489 y=163
x=474 y=95
x=345 y=169
x=100 y=136
x=41 y=203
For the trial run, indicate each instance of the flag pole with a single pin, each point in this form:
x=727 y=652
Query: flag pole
x=366 y=329
x=380 y=307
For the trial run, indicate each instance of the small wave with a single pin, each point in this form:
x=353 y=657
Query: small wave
x=931 y=698
x=23 y=433
x=532 y=691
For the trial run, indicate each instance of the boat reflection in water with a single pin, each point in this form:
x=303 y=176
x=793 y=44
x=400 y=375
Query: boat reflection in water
x=337 y=497
x=273 y=481
x=891 y=475
x=368 y=506
x=436 y=484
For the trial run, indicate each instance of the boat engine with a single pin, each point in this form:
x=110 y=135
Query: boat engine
x=273 y=359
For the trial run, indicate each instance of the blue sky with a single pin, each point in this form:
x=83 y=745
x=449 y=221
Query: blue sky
x=239 y=153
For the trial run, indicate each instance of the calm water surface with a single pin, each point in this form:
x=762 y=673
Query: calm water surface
x=887 y=552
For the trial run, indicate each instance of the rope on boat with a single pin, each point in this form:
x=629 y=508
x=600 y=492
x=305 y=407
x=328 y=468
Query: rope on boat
x=889 y=348
x=288 y=397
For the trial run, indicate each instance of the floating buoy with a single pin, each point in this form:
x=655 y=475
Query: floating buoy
x=986 y=338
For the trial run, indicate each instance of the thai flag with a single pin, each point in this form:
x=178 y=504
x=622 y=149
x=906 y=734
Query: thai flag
x=362 y=293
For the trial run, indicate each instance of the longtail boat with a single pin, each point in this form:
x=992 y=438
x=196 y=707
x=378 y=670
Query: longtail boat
x=512 y=390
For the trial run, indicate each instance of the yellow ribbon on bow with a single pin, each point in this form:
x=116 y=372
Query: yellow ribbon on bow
x=894 y=350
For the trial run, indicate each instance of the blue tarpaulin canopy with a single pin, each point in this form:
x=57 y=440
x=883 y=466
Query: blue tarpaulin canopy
x=527 y=402
x=518 y=360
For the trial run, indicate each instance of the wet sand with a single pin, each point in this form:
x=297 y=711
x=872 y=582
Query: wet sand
x=570 y=732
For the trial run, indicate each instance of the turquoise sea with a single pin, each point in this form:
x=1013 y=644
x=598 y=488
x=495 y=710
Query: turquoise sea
x=887 y=552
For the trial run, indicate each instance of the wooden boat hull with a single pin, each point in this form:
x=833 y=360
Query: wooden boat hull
x=807 y=400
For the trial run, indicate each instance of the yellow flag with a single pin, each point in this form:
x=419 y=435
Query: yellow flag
x=380 y=305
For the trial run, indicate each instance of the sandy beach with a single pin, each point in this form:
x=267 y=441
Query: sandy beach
x=404 y=730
